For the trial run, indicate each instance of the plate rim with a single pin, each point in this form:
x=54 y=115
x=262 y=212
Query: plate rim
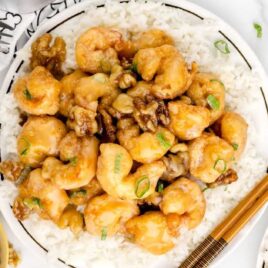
x=187 y=6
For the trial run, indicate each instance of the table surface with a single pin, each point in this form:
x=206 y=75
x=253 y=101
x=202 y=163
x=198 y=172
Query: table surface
x=241 y=14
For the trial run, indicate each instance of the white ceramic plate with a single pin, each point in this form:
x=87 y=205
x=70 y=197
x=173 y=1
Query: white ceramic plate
x=237 y=43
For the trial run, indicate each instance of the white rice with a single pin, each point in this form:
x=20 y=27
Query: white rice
x=195 y=39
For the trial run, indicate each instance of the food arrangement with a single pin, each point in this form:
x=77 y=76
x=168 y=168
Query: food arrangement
x=126 y=143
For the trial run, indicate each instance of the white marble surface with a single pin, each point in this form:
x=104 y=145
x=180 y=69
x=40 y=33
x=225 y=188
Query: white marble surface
x=241 y=14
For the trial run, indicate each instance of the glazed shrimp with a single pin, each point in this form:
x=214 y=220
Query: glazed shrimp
x=34 y=144
x=210 y=157
x=169 y=68
x=90 y=89
x=150 y=231
x=106 y=215
x=233 y=128
x=38 y=92
x=147 y=147
x=207 y=91
x=113 y=173
x=43 y=193
x=95 y=49
x=183 y=203
x=69 y=83
x=187 y=121
x=81 y=153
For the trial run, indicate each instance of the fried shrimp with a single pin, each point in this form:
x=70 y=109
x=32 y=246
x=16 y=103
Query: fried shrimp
x=207 y=91
x=113 y=173
x=150 y=231
x=187 y=121
x=106 y=215
x=34 y=144
x=81 y=157
x=147 y=147
x=69 y=83
x=183 y=203
x=233 y=128
x=38 y=93
x=43 y=194
x=169 y=68
x=95 y=50
x=210 y=157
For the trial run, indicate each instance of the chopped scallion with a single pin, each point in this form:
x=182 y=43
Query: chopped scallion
x=117 y=163
x=103 y=233
x=134 y=67
x=27 y=94
x=27 y=146
x=160 y=187
x=32 y=202
x=163 y=140
x=235 y=146
x=73 y=161
x=79 y=193
x=222 y=46
x=258 y=29
x=142 y=186
x=220 y=165
x=218 y=81
x=213 y=102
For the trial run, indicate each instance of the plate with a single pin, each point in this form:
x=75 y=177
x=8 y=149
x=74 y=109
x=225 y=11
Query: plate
x=227 y=32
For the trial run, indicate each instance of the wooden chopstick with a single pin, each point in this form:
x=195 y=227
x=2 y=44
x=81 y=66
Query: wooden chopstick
x=215 y=239
x=230 y=234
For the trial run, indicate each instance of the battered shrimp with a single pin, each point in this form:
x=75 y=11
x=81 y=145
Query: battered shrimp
x=34 y=143
x=169 y=68
x=89 y=89
x=114 y=165
x=106 y=215
x=210 y=157
x=233 y=128
x=38 y=92
x=147 y=147
x=81 y=154
x=68 y=83
x=187 y=121
x=150 y=231
x=184 y=203
x=36 y=190
x=95 y=49
x=149 y=39
x=207 y=91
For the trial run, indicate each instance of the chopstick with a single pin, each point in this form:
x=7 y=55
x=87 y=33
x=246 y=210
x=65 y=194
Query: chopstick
x=215 y=242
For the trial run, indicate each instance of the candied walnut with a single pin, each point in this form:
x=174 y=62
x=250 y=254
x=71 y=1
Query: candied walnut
x=109 y=128
x=20 y=210
x=176 y=165
x=228 y=177
x=186 y=100
x=82 y=121
x=11 y=169
x=179 y=147
x=150 y=112
x=124 y=104
x=50 y=56
x=13 y=256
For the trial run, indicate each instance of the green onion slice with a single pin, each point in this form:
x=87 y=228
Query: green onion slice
x=235 y=146
x=258 y=29
x=142 y=186
x=27 y=146
x=79 y=193
x=163 y=140
x=220 y=165
x=134 y=67
x=27 y=94
x=203 y=190
x=73 y=161
x=117 y=163
x=160 y=187
x=213 y=102
x=222 y=46
x=32 y=202
x=103 y=233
